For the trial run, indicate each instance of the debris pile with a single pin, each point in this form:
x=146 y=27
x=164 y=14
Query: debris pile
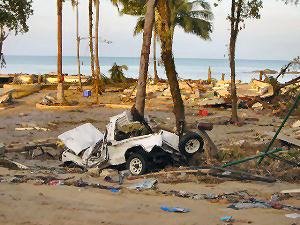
x=200 y=93
x=6 y=98
x=48 y=100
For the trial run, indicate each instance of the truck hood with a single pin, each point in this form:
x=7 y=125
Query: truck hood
x=170 y=139
x=81 y=138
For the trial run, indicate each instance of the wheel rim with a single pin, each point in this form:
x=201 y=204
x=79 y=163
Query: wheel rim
x=192 y=146
x=136 y=166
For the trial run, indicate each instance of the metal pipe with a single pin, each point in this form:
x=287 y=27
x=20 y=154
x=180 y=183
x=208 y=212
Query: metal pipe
x=262 y=154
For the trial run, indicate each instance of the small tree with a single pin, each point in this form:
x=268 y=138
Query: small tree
x=240 y=11
x=13 y=17
x=117 y=74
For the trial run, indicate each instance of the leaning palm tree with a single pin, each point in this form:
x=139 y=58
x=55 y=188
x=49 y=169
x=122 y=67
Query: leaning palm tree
x=172 y=13
x=187 y=15
x=144 y=61
x=60 y=87
x=138 y=7
x=192 y=16
x=139 y=27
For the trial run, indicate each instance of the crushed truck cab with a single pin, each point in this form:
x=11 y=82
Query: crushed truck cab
x=128 y=142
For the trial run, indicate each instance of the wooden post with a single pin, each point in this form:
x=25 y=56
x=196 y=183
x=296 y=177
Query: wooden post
x=223 y=76
x=261 y=75
x=209 y=75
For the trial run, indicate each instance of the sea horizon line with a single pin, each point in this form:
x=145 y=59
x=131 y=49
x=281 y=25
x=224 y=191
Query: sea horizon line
x=136 y=57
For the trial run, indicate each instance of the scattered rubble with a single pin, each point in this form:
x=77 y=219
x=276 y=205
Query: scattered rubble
x=12 y=165
x=175 y=209
x=31 y=128
x=2 y=150
x=6 y=98
x=293 y=215
x=257 y=106
x=144 y=185
x=48 y=100
x=198 y=93
x=296 y=124
x=285 y=138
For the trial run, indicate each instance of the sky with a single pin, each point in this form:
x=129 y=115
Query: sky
x=275 y=36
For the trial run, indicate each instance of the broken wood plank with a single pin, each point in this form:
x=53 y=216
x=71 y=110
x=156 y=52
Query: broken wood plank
x=290 y=191
x=12 y=165
x=215 y=172
x=285 y=138
x=24 y=148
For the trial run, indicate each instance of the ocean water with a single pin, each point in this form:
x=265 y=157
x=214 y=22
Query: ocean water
x=189 y=68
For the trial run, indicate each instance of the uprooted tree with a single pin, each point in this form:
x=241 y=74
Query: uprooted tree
x=277 y=86
x=13 y=18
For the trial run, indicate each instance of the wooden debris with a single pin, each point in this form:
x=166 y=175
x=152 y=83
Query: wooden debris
x=285 y=138
x=12 y=165
x=291 y=191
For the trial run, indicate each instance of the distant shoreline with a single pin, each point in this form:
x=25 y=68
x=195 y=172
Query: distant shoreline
x=137 y=57
x=187 y=68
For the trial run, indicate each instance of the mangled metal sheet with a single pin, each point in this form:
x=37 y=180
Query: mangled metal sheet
x=143 y=185
x=81 y=137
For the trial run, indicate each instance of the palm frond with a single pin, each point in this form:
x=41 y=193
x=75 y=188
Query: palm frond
x=202 y=3
x=199 y=27
x=74 y=3
x=124 y=67
x=139 y=27
x=203 y=14
x=130 y=7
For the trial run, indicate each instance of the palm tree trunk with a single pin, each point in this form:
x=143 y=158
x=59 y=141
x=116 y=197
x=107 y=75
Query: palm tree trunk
x=168 y=59
x=144 y=61
x=91 y=39
x=156 y=78
x=60 y=88
x=78 y=46
x=169 y=63
x=99 y=84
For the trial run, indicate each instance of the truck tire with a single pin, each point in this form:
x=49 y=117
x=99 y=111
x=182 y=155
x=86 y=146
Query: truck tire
x=136 y=164
x=190 y=144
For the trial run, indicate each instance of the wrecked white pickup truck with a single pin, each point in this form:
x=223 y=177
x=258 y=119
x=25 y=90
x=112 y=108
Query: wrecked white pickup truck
x=127 y=142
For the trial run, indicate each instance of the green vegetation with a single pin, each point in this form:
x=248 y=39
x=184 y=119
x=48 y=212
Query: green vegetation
x=13 y=17
x=117 y=74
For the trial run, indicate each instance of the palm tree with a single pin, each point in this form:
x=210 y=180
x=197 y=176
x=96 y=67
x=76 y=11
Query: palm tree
x=185 y=14
x=99 y=80
x=75 y=4
x=144 y=61
x=136 y=8
x=60 y=88
x=91 y=43
x=139 y=27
